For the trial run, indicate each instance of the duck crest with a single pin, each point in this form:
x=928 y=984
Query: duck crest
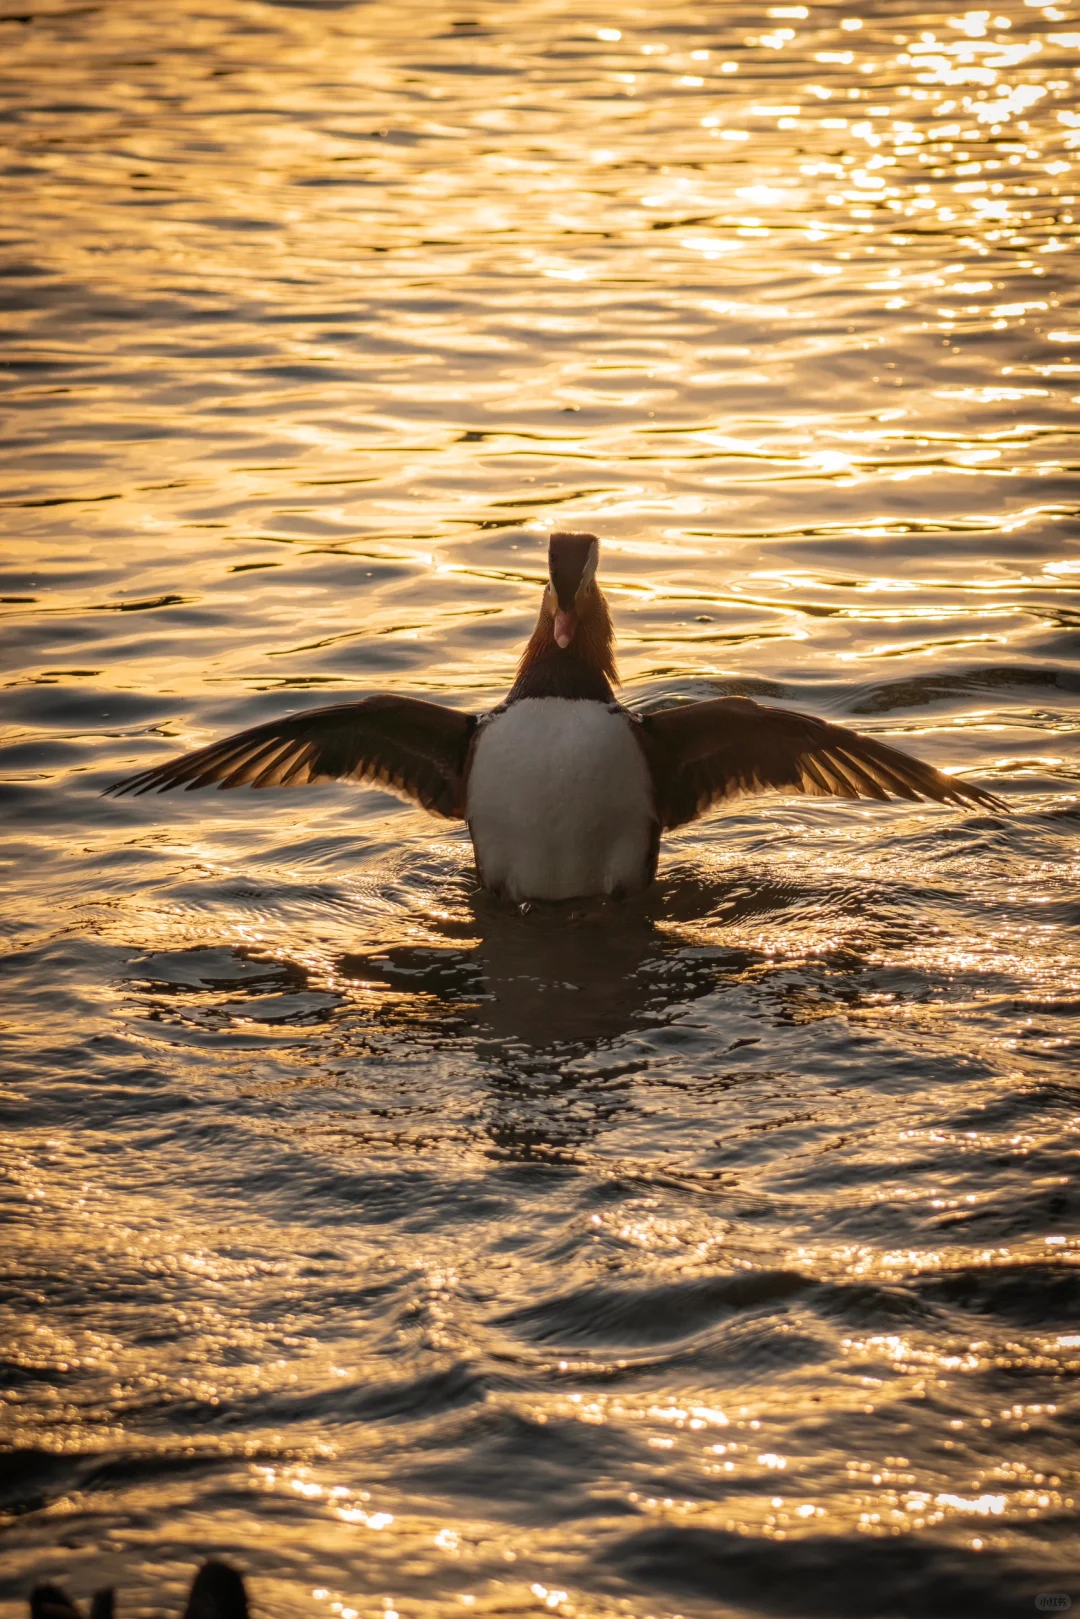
x=584 y=665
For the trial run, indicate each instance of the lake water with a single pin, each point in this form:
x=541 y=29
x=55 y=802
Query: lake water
x=712 y=1254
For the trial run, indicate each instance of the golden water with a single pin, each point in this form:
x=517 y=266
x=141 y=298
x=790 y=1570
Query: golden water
x=715 y=1254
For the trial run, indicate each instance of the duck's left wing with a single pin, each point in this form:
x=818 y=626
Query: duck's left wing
x=414 y=748
x=731 y=747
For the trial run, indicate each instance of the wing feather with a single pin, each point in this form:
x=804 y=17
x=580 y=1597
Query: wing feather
x=815 y=775
x=273 y=768
x=292 y=776
x=415 y=748
x=247 y=771
x=730 y=747
x=861 y=776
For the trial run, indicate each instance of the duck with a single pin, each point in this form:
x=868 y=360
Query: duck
x=565 y=791
x=217 y=1592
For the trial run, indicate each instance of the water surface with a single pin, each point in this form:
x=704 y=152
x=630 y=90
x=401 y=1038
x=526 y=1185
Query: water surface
x=710 y=1254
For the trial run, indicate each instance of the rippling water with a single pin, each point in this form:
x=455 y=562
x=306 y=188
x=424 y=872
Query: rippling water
x=710 y=1254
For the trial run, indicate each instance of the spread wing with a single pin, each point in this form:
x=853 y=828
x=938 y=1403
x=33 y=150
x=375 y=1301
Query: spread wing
x=731 y=747
x=413 y=748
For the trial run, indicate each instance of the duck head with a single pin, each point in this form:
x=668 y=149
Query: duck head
x=571 y=653
x=572 y=560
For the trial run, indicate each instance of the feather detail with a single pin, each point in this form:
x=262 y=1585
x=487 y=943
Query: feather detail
x=414 y=748
x=732 y=747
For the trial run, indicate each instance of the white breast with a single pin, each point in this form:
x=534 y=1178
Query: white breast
x=560 y=804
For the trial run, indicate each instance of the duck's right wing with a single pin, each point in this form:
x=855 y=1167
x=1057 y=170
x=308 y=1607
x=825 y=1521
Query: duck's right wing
x=414 y=748
x=731 y=747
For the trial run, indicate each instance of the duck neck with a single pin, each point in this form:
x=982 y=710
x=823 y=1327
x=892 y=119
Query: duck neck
x=584 y=669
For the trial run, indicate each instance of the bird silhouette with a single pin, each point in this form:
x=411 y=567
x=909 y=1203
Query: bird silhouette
x=565 y=792
x=217 y=1592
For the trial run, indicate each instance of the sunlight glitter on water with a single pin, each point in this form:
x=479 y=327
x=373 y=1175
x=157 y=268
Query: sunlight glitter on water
x=413 y=1254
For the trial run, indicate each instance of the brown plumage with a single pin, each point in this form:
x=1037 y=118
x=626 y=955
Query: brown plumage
x=414 y=748
x=732 y=747
x=548 y=780
x=585 y=666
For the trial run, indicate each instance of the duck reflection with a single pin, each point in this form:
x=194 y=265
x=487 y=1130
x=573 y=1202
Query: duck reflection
x=554 y=1006
x=549 y=1000
x=550 y=986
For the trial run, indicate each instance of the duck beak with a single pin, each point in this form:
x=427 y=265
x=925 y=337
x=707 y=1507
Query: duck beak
x=565 y=625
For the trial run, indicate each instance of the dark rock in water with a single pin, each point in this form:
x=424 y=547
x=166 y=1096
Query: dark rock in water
x=217 y=1592
x=49 y=1602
